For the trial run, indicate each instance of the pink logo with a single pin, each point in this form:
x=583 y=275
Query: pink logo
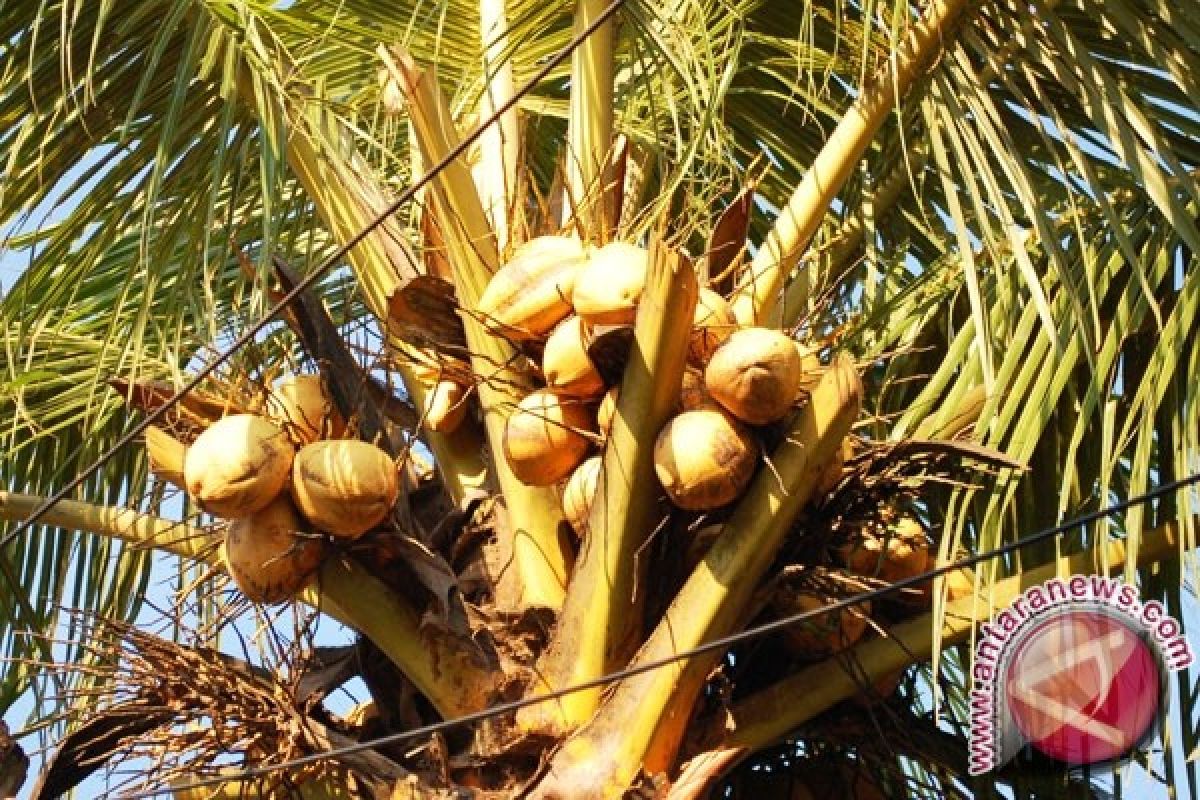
x=1083 y=687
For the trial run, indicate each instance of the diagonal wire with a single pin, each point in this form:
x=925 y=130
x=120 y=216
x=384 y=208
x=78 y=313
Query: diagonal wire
x=248 y=335
x=722 y=643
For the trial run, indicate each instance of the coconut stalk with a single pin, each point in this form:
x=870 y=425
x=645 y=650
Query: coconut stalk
x=600 y=624
x=500 y=143
x=763 y=718
x=640 y=724
x=448 y=674
x=590 y=127
x=539 y=551
x=758 y=288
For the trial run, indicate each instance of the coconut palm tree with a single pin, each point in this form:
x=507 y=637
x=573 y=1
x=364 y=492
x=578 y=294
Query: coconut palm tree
x=977 y=220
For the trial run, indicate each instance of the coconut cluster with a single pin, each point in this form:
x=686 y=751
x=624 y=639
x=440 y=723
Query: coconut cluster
x=286 y=484
x=573 y=306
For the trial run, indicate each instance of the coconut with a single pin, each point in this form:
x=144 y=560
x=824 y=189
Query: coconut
x=547 y=437
x=445 y=406
x=610 y=284
x=238 y=465
x=900 y=553
x=692 y=394
x=823 y=634
x=268 y=554
x=712 y=324
x=166 y=455
x=532 y=292
x=579 y=492
x=704 y=459
x=607 y=410
x=755 y=375
x=879 y=690
x=344 y=487
x=305 y=409
x=565 y=362
x=832 y=475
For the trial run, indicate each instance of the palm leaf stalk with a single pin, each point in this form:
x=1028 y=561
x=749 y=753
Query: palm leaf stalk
x=540 y=553
x=758 y=289
x=455 y=681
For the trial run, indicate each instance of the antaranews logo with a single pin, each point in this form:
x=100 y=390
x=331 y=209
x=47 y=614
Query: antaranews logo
x=1075 y=668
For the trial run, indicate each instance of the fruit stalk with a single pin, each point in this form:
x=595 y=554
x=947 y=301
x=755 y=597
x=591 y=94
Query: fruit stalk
x=641 y=723
x=600 y=622
x=499 y=145
x=590 y=126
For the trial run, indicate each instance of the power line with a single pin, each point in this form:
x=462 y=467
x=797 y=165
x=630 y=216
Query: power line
x=722 y=643
x=310 y=279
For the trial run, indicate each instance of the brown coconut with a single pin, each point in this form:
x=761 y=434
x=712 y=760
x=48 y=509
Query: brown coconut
x=344 y=487
x=692 y=394
x=607 y=410
x=238 y=465
x=445 y=406
x=532 y=292
x=900 y=553
x=712 y=324
x=610 y=284
x=580 y=491
x=269 y=555
x=704 y=459
x=755 y=375
x=823 y=634
x=546 y=437
x=304 y=408
x=832 y=475
x=565 y=362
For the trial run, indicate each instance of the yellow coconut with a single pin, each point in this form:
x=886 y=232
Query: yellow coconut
x=900 y=553
x=565 y=362
x=166 y=454
x=711 y=326
x=755 y=375
x=823 y=634
x=344 y=487
x=579 y=492
x=304 y=408
x=547 y=437
x=238 y=465
x=532 y=292
x=611 y=283
x=445 y=406
x=269 y=554
x=607 y=410
x=704 y=459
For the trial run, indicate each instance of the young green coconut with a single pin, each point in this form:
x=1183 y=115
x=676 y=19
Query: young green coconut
x=238 y=465
x=755 y=375
x=704 y=459
x=546 y=437
x=532 y=293
x=344 y=487
x=610 y=284
x=269 y=555
x=305 y=409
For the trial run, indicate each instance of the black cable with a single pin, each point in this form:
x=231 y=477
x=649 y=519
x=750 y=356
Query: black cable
x=716 y=644
x=314 y=276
